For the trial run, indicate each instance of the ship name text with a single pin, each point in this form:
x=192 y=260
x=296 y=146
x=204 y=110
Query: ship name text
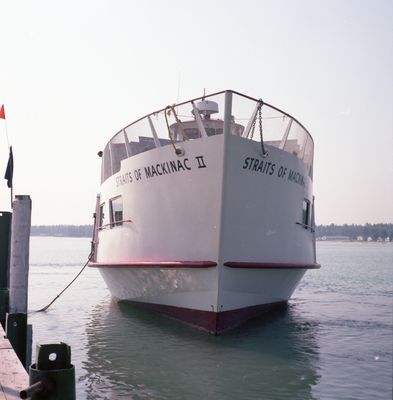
x=160 y=169
x=266 y=167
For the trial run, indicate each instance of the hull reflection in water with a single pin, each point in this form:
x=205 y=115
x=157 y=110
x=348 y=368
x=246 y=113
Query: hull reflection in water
x=151 y=357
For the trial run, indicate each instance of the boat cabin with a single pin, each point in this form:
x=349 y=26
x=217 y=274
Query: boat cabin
x=203 y=124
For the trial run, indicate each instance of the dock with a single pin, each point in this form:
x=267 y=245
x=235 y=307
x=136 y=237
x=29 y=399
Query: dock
x=13 y=377
x=14 y=270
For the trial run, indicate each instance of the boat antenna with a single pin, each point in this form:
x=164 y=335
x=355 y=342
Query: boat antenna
x=178 y=88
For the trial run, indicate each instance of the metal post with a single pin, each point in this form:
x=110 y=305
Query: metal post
x=3 y=306
x=5 y=229
x=228 y=113
x=16 y=324
x=19 y=259
x=16 y=333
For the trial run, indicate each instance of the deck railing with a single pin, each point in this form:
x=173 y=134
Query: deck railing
x=162 y=128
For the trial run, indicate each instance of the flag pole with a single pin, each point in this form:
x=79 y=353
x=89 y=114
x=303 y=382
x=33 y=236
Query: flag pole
x=2 y=116
x=9 y=173
x=12 y=162
x=6 y=133
x=10 y=165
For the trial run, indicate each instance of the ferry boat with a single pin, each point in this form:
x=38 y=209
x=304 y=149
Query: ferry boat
x=206 y=210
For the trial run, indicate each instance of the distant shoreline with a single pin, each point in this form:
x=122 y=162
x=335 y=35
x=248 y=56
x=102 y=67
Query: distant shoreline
x=60 y=236
x=368 y=233
x=62 y=230
x=317 y=240
x=354 y=241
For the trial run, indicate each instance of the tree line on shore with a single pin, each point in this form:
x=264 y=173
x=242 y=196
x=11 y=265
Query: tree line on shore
x=62 y=230
x=352 y=232
x=356 y=232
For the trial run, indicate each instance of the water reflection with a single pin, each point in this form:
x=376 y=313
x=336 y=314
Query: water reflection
x=139 y=355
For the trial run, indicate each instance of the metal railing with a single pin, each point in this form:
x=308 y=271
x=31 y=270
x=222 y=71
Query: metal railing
x=112 y=224
x=280 y=129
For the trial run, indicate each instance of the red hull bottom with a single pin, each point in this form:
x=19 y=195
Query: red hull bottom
x=212 y=322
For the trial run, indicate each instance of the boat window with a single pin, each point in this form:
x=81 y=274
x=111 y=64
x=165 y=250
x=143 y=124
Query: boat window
x=306 y=219
x=116 y=211
x=308 y=157
x=192 y=133
x=237 y=129
x=211 y=131
x=101 y=216
x=118 y=153
x=106 y=166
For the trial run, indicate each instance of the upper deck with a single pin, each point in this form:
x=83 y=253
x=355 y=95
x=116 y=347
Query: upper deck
x=204 y=116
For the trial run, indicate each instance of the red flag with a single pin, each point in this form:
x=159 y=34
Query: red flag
x=2 y=112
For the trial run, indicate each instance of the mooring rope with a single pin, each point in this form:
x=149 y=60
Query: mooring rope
x=87 y=262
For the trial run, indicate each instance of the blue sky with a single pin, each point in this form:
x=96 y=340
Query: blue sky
x=73 y=73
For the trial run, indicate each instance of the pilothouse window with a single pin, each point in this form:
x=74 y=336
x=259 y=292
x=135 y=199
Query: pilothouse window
x=306 y=213
x=116 y=211
x=101 y=216
x=192 y=133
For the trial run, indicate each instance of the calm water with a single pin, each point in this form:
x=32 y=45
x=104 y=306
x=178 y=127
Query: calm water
x=334 y=341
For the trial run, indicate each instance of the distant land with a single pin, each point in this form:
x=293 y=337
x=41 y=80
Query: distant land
x=367 y=232
x=62 y=230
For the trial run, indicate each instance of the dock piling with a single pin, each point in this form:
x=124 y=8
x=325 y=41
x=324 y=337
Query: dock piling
x=19 y=257
x=16 y=332
x=5 y=235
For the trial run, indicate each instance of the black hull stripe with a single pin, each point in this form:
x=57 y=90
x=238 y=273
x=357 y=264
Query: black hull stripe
x=201 y=264
x=257 y=265
x=154 y=264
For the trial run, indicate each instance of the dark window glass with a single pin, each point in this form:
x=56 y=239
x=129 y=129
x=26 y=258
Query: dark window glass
x=116 y=211
x=192 y=133
x=306 y=212
x=101 y=216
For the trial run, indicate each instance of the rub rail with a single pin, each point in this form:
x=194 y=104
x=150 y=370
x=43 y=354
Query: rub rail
x=112 y=224
x=306 y=226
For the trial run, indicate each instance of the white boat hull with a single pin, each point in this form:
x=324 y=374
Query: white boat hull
x=213 y=236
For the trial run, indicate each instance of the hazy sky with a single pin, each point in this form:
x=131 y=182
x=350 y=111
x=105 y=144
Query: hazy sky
x=72 y=73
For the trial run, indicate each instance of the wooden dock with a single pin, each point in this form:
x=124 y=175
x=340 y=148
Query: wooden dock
x=13 y=377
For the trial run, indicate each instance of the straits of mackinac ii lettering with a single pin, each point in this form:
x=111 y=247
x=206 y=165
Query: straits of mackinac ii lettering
x=270 y=168
x=159 y=169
